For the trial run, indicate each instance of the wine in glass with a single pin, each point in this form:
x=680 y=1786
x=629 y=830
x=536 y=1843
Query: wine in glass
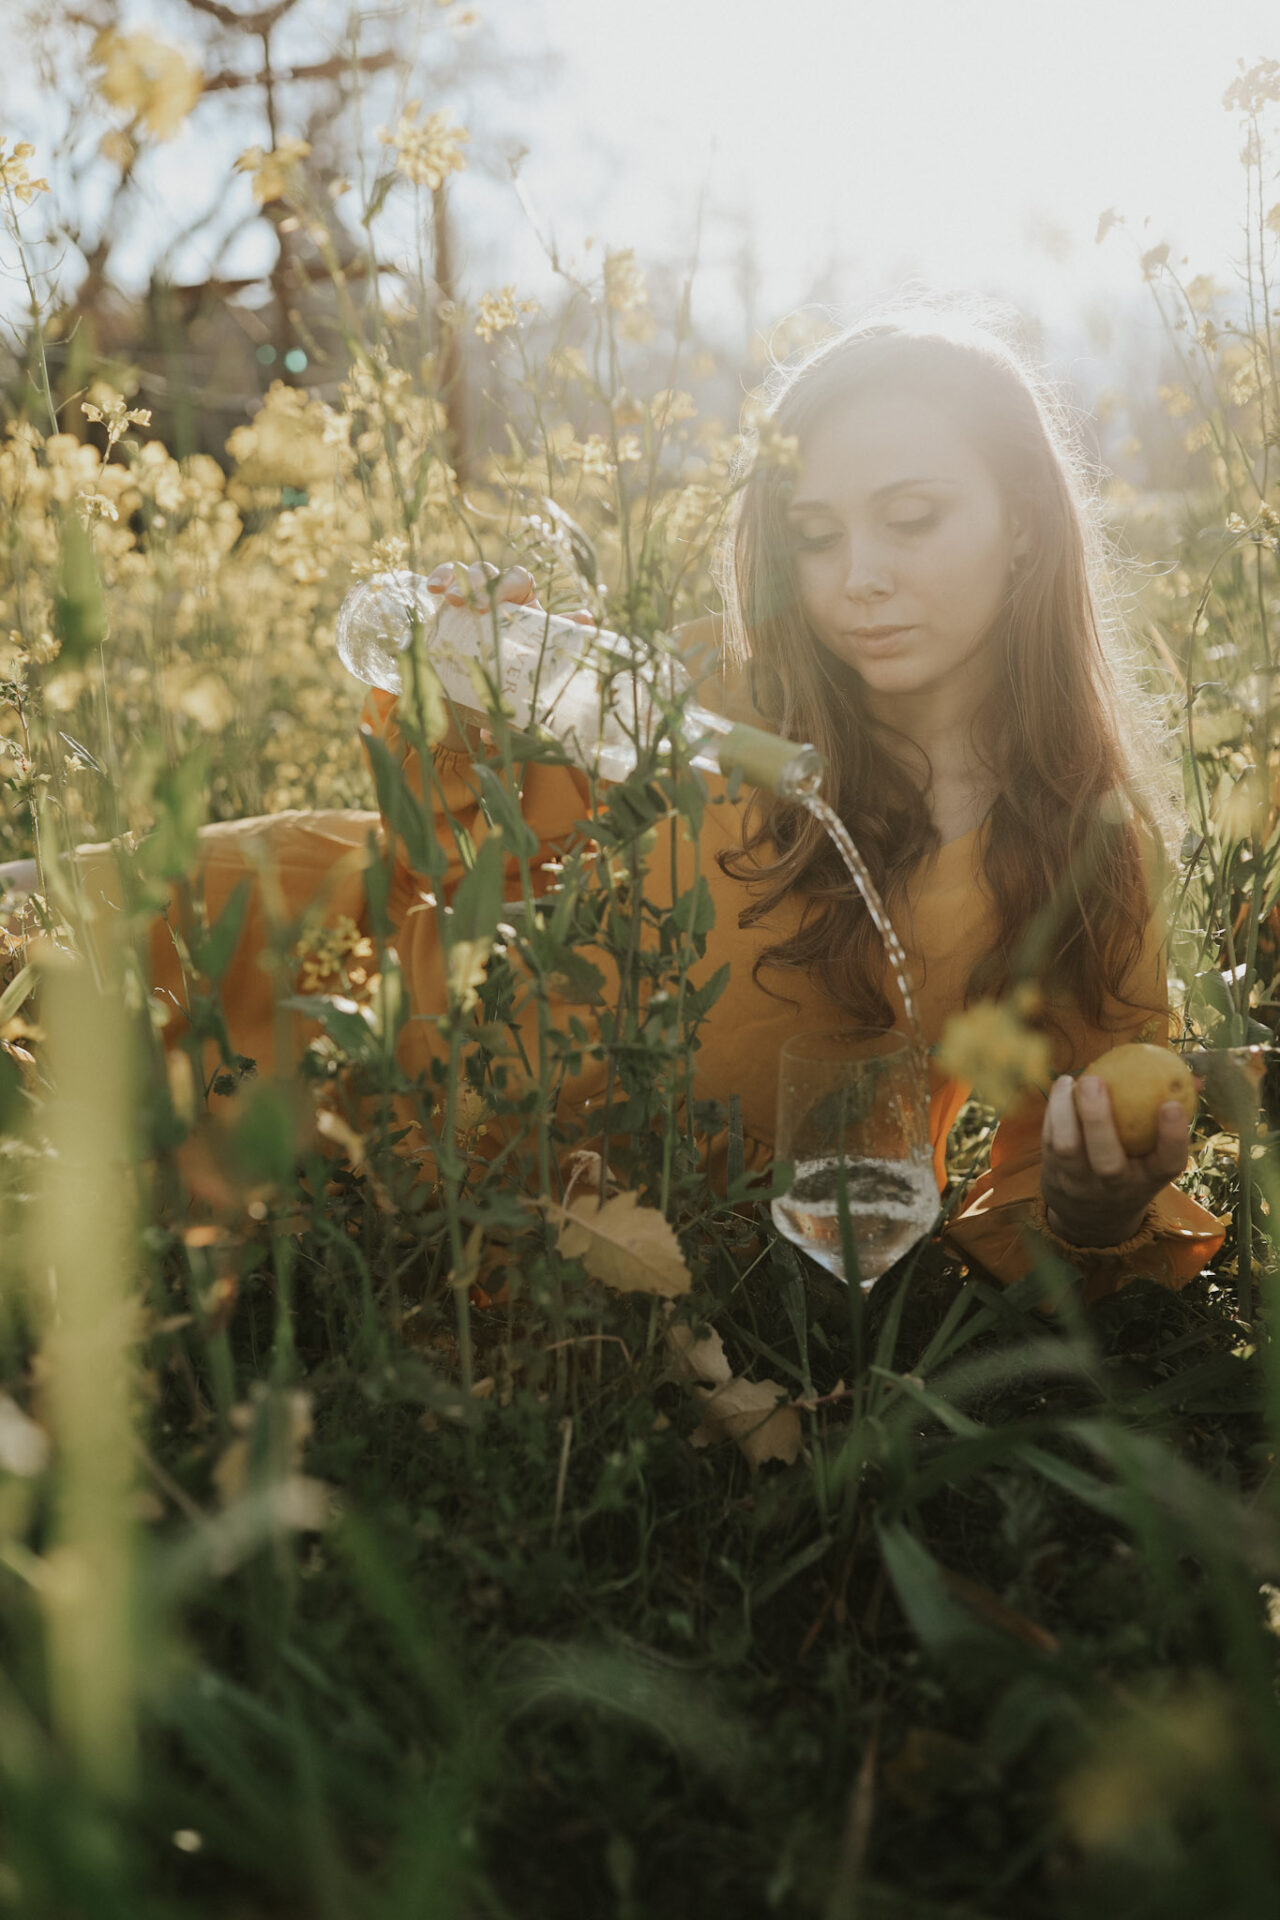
x=852 y=1110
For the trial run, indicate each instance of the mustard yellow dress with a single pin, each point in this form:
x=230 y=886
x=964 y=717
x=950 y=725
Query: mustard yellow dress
x=316 y=858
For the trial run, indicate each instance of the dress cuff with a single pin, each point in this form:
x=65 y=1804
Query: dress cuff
x=1071 y=1250
x=451 y=759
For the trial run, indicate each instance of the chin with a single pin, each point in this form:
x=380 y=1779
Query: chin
x=893 y=676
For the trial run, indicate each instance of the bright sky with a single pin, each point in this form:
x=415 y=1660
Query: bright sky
x=935 y=138
x=969 y=142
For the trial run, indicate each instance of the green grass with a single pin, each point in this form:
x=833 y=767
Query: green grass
x=682 y=1683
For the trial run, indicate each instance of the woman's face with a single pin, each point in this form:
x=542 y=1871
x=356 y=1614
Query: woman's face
x=896 y=523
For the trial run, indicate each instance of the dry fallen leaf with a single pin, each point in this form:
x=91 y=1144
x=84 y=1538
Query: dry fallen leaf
x=627 y=1246
x=694 y=1359
x=582 y=1168
x=748 y=1412
x=1232 y=1083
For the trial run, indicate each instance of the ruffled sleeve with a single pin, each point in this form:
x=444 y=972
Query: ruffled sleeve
x=554 y=803
x=1002 y=1223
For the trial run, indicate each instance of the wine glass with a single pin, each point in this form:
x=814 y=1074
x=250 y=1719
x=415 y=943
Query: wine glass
x=852 y=1112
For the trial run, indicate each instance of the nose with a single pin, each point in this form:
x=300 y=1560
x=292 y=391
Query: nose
x=869 y=576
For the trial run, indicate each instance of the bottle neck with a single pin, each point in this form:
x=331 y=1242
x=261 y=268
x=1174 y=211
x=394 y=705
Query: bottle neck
x=791 y=769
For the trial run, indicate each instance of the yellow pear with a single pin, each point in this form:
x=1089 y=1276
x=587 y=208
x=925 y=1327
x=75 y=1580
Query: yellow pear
x=1139 y=1079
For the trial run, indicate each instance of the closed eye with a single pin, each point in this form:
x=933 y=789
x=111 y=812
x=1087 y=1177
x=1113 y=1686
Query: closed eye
x=819 y=542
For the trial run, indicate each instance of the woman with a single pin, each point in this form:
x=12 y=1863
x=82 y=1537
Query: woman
x=920 y=595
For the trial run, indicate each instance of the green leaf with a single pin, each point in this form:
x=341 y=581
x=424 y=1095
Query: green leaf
x=348 y=1029
x=477 y=900
x=10 y=1092
x=78 y=747
x=404 y=813
x=769 y=1185
x=378 y=196
x=938 y=1619
x=571 y=977
x=690 y=796
x=1211 y=988
x=179 y=797
x=584 y=553
x=213 y=953
x=16 y=993
x=265 y=1140
x=633 y=807
x=695 y=911
x=377 y=891
x=79 y=605
x=700 y=1000
x=503 y=810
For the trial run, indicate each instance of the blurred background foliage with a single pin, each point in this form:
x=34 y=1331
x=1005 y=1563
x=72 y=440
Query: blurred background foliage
x=229 y=525
x=348 y=1567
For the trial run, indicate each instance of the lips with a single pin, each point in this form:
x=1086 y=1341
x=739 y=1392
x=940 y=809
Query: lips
x=879 y=639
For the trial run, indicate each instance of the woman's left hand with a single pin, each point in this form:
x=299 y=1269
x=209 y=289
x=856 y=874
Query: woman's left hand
x=1095 y=1194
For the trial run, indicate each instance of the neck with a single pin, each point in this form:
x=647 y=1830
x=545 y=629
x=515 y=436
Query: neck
x=960 y=788
x=930 y=721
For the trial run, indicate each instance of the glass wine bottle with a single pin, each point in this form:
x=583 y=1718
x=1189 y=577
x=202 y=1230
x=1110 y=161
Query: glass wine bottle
x=593 y=690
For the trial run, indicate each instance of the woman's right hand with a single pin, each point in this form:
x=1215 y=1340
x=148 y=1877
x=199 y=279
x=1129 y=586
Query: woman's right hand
x=468 y=586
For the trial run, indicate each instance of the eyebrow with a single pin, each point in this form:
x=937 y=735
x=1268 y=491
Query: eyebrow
x=894 y=486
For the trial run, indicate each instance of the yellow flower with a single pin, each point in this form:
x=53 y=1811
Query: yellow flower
x=990 y=1048
x=209 y=702
x=155 y=83
x=15 y=176
x=426 y=151
x=670 y=406
x=594 y=454
x=773 y=448
x=337 y=958
x=1176 y=401
x=496 y=312
x=471 y=1114
x=624 y=286
x=284 y=445
x=116 y=147
x=384 y=556
x=462 y=20
x=1254 y=87
x=275 y=173
x=109 y=409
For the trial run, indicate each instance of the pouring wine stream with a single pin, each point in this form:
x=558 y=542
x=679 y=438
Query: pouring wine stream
x=846 y=846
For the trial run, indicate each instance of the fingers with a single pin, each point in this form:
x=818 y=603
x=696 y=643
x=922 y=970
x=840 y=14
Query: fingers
x=468 y=586
x=1173 y=1141
x=1101 y=1145
x=1060 y=1133
x=1078 y=1126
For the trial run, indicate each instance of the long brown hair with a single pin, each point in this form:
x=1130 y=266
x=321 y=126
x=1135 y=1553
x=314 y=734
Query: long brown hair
x=1075 y=849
